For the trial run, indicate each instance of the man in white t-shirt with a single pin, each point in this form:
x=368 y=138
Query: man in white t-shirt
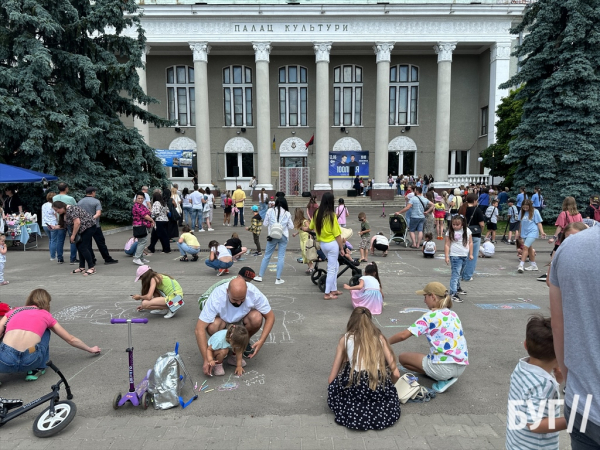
x=238 y=303
x=197 y=208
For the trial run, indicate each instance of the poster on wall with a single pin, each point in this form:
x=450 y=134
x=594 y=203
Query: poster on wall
x=348 y=163
x=175 y=158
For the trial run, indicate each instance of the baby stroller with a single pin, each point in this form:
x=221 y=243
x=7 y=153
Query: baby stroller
x=398 y=229
x=319 y=276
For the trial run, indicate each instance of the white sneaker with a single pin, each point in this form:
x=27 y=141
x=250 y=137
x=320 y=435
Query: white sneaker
x=139 y=262
x=520 y=269
x=278 y=281
x=201 y=230
x=145 y=261
x=160 y=312
x=532 y=267
x=257 y=278
x=211 y=229
x=169 y=314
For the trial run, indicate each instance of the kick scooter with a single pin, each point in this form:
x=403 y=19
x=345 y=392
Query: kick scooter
x=136 y=395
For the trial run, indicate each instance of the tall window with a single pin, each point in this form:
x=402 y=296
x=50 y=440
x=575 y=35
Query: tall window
x=237 y=96
x=484 y=121
x=347 y=95
x=293 y=87
x=243 y=161
x=181 y=103
x=404 y=94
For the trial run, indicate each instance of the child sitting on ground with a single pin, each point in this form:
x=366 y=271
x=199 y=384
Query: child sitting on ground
x=234 y=244
x=361 y=390
x=235 y=338
x=429 y=246
x=367 y=293
x=255 y=227
x=520 y=244
x=534 y=389
x=365 y=234
x=487 y=249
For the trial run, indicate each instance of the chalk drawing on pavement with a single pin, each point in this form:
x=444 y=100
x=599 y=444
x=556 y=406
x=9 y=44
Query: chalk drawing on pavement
x=253 y=377
x=96 y=314
x=507 y=306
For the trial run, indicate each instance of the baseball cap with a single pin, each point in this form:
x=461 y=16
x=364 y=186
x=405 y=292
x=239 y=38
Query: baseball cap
x=596 y=199
x=434 y=288
x=141 y=271
x=254 y=208
x=272 y=198
x=247 y=272
x=90 y=189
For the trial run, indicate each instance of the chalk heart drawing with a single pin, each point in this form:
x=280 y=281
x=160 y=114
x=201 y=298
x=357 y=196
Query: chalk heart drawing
x=96 y=314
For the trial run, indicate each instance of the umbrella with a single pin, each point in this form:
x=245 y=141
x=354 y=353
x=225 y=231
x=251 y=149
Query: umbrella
x=13 y=174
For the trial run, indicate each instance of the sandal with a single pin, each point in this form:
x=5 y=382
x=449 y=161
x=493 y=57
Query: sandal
x=363 y=260
x=183 y=258
x=385 y=254
x=33 y=375
x=89 y=272
x=336 y=293
x=329 y=297
x=80 y=270
x=309 y=271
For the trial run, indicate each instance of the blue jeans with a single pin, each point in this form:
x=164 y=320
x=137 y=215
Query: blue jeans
x=53 y=237
x=472 y=263
x=187 y=216
x=457 y=264
x=425 y=186
x=60 y=243
x=590 y=439
x=184 y=249
x=14 y=361
x=262 y=210
x=235 y=217
x=196 y=218
x=397 y=189
x=282 y=243
x=218 y=264
x=132 y=249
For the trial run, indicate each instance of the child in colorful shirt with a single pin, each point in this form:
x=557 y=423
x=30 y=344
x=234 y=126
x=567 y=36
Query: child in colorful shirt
x=255 y=227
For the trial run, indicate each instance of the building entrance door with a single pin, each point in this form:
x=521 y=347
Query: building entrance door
x=294 y=176
x=402 y=162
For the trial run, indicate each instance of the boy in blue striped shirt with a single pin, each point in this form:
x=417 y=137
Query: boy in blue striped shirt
x=533 y=406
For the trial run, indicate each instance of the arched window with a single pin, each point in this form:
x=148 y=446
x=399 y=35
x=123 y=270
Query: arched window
x=293 y=87
x=181 y=103
x=347 y=95
x=404 y=94
x=237 y=96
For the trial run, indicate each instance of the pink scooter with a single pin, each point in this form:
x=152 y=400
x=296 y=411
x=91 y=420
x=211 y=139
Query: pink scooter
x=136 y=395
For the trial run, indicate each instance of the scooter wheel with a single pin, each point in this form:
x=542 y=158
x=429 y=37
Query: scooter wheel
x=145 y=400
x=116 y=401
x=47 y=425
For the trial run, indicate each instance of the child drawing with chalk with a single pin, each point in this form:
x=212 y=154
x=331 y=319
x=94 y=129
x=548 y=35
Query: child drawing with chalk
x=235 y=338
x=368 y=291
x=361 y=390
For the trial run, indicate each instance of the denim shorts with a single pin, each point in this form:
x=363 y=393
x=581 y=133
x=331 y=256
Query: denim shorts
x=416 y=224
x=442 y=372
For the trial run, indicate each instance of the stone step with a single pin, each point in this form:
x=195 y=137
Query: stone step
x=398 y=202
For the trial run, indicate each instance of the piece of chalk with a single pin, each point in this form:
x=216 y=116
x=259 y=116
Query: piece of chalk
x=204 y=382
x=203 y=388
x=209 y=390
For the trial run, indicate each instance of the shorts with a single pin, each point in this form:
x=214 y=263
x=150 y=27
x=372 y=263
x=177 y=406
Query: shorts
x=381 y=247
x=364 y=242
x=428 y=255
x=416 y=224
x=513 y=226
x=439 y=214
x=529 y=242
x=227 y=210
x=235 y=251
x=492 y=226
x=442 y=372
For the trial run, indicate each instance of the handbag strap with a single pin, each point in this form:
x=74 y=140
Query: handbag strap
x=16 y=311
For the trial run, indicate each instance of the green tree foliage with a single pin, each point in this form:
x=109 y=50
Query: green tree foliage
x=509 y=117
x=557 y=143
x=67 y=76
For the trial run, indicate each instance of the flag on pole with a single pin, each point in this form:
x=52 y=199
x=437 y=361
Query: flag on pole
x=311 y=141
x=273 y=142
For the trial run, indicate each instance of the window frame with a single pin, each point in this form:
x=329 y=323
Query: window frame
x=484 y=118
x=245 y=87
x=240 y=164
x=286 y=86
x=410 y=85
x=339 y=101
x=190 y=99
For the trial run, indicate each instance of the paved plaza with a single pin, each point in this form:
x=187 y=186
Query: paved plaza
x=281 y=401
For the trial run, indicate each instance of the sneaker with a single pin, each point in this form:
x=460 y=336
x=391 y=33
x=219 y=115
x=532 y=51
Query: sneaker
x=542 y=277
x=249 y=350
x=60 y=261
x=33 y=375
x=211 y=229
x=139 y=262
x=461 y=292
x=218 y=370
x=228 y=224
x=169 y=314
x=195 y=258
x=442 y=386
x=159 y=312
x=202 y=230
x=456 y=299
x=532 y=267
x=232 y=361
x=257 y=254
x=258 y=279
x=226 y=271
x=111 y=261
x=74 y=262
x=145 y=261
x=520 y=269
x=52 y=259
x=278 y=281
x=221 y=272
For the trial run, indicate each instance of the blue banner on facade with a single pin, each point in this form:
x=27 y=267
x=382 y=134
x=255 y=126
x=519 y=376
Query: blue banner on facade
x=348 y=164
x=175 y=158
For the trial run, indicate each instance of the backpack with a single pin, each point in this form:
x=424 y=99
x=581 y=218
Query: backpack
x=429 y=247
x=487 y=218
x=596 y=213
x=276 y=231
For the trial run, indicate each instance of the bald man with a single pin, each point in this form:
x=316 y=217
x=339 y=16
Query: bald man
x=237 y=303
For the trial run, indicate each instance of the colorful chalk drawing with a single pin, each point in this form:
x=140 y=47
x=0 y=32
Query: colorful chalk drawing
x=507 y=306
x=228 y=385
x=409 y=310
x=444 y=270
x=97 y=314
x=394 y=323
x=255 y=378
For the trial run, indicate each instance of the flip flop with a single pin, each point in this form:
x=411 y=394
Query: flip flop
x=385 y=254
x=87 y=273
x=336 y=293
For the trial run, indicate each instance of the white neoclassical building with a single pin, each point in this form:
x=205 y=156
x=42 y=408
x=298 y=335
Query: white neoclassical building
x=414 y=84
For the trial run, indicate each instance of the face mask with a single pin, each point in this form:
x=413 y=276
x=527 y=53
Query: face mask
x=235 y=305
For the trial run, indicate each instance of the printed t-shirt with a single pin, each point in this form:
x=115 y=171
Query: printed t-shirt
x=34 y=320
x=190 y=239
x=529 y=227
x=429 y=247
x=447 y=343
x=217 y=341
x=456 y=247
x=329 y=231
x=492 y=213
x=85 y=219
x=218 y=304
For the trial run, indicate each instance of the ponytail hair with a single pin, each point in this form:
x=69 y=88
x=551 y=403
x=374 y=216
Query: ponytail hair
x=443 y=302
x=373 y=271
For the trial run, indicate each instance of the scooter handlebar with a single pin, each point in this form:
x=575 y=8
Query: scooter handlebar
x=127 y=320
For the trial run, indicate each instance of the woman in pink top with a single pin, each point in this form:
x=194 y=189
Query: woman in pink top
x=26 y=333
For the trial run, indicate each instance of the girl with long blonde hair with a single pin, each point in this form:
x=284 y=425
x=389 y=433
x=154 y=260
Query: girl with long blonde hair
x=361 y=390
x=302 y=222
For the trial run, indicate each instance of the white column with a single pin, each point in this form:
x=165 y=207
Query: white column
x=201 y=51
x=499 y=73
x=143 y=128
x=453 y=162
x=383 y=50
x=263 y=114
x=322 y=52
x=442 y=116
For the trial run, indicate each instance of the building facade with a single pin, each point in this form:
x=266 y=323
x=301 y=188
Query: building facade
x=415 y=85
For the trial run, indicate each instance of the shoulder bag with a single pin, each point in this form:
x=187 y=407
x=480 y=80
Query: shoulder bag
x=408 y=387
x=475 y=229
x=176 y=302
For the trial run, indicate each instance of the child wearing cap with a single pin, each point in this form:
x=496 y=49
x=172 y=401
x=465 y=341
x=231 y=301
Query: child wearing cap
x=159 y=291
x=255 y=227
x=448 y=356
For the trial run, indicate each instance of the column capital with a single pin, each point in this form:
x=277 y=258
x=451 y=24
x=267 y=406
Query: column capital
x=262 y=50
x=444 y=50
x=383 y=50
x=322 y=51
x=500 y=50
x=200 y=51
